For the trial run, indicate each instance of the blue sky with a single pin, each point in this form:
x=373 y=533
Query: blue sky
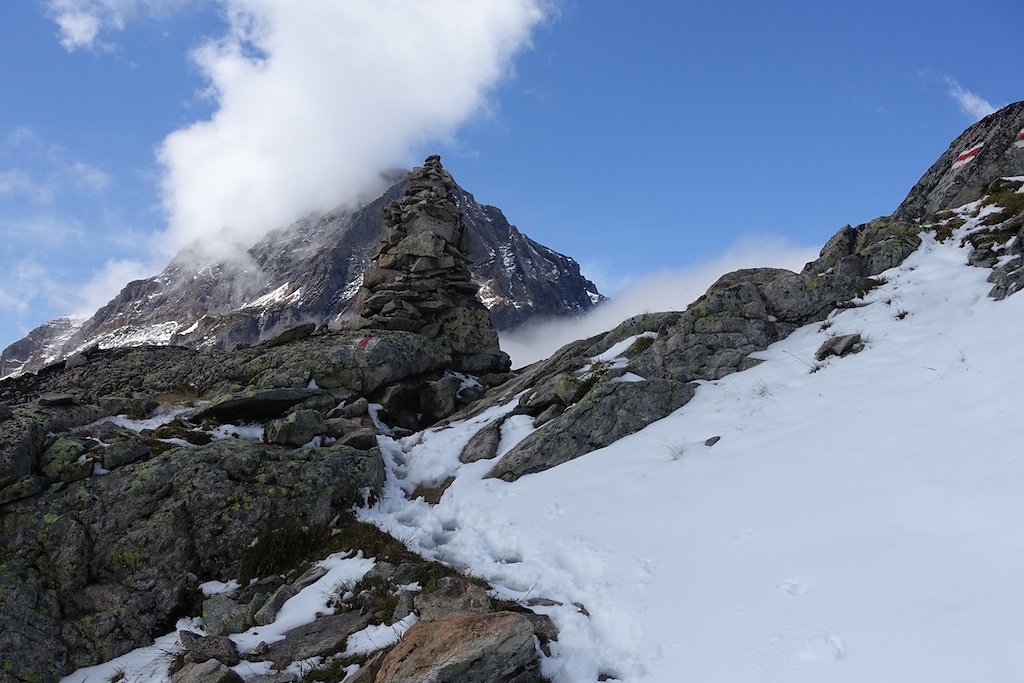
x=635 y=138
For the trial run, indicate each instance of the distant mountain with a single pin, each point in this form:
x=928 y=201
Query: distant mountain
x=310 y=271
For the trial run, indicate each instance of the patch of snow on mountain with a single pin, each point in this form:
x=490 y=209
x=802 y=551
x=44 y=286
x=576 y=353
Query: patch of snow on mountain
x=279 y=295
x=856 y=523
x=158 y=334
x=352 y=288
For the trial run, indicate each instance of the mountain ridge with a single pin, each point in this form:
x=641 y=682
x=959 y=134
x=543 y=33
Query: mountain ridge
x=309 y=271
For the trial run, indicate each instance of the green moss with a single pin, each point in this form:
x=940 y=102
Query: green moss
x=50 y=518
x=279 y=548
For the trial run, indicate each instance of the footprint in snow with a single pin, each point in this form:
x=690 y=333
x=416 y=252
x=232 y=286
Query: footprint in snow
x=823 y=647
x=792 y=587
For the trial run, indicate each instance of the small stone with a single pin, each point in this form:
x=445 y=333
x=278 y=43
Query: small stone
x=712 y=441
x=839 y=346
x=268 y=612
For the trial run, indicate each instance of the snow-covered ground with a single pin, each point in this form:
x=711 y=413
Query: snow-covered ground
x=858 y=520
x=857 y=523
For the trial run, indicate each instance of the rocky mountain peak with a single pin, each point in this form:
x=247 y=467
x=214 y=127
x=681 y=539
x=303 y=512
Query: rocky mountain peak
x=992 y=148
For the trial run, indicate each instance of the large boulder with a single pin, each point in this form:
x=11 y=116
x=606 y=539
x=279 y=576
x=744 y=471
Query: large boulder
x=611 y=410
x=471 y=648
x=97 y=568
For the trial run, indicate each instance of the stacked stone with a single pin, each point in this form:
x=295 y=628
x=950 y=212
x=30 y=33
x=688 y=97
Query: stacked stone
x=419 y=280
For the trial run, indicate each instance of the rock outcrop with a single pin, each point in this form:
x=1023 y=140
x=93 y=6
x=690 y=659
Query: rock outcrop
x=419 y=280
x=992 y=148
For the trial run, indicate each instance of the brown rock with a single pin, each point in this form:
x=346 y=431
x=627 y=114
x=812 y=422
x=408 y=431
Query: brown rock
x=487 y=648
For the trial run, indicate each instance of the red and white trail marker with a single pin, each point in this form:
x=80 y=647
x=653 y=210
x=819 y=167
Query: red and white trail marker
x=1019 y=140
x=967 y=156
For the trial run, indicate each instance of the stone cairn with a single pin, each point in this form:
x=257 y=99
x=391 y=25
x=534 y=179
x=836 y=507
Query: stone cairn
x=419 y=280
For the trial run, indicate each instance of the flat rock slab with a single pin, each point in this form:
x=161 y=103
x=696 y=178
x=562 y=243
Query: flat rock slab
x=204 y=648
x=325 y=636
x=255 y=404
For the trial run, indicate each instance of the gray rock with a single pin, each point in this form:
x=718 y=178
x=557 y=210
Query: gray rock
x=839 y=346
x=65 y=460
x=203 y=648
x=223 y=615
x=367 y=673
x=338 y=427
x=548 y=414
x=472 y=648
x=268 y=612
x=95 y=568
x=22 y=438
x=452 y=597
x=356 y=408
x=210 y=671
x=484 y=444
x=712 y=441
x=309 y=577
x=609 y=412
x=75 y=360
x=23 y=488
x=360 y=439
x=291 y=334
x=982 y=258
x=295 y=430
x=325 y=636
x=121 y=446
x=53 y=399
x=254 y=404
x=438 y=398
x=5 y=412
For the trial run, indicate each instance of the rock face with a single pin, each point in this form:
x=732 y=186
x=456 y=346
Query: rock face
x=990 y=149
x=419 y=280
x=93 y=570
x=307 y=272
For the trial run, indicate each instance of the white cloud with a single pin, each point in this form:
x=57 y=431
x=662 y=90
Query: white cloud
x=313 y=98
x=18 y=182
x=970 y=103
x=81 y=23
x=660 y=291
x=88 y=176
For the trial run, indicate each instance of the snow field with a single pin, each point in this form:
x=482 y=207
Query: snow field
x=859 y=522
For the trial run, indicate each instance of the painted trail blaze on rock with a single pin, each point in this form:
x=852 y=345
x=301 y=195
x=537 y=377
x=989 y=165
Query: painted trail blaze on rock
x=965 y=157
x=1019 y=140
x=364 y=342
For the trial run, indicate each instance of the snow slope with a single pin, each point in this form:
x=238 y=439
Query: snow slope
x=856 y=523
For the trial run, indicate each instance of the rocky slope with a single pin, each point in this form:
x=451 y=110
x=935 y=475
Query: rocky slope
x=308 y=272
x=129 y=477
